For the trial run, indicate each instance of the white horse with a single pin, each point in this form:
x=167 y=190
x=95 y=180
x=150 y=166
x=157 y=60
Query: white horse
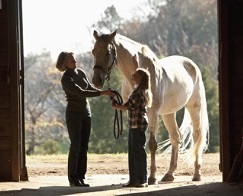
x=176 y=82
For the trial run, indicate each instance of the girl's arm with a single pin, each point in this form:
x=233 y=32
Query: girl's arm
x=114 y=105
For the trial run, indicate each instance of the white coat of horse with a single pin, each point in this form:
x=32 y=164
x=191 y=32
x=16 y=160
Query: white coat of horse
x=176 y=83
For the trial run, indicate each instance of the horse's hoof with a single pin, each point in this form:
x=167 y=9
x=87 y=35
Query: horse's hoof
x=196 y=178
x=152 y=181
x=167 y=178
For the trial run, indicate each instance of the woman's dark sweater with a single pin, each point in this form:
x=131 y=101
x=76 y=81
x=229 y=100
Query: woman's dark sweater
x=77 y=88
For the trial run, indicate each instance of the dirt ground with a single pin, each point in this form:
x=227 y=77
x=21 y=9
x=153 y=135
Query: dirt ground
x=107 y=172
x=118 y=164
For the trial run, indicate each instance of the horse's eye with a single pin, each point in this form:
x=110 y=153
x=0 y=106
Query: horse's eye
x=107 y=54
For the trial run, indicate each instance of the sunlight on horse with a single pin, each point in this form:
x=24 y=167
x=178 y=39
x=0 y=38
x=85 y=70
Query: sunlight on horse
x=176 y=83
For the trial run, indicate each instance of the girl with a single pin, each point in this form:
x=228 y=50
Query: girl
x=137 y=104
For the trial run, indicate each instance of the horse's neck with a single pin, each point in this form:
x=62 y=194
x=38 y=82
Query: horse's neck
x=126 y=49
x=125 y=62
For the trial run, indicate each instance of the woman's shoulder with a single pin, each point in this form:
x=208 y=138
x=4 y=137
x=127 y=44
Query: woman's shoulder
x=80 y=71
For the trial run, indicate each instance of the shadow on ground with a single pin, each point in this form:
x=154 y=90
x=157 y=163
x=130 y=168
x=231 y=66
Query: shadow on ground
x=211 y=189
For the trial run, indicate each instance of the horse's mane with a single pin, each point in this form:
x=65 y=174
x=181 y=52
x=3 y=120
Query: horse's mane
x=123 y=38
x=141 y=48
x=147 y=52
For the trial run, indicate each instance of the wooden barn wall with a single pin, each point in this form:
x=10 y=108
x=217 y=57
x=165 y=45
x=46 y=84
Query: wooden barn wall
x=10 y=143
x=231 y=80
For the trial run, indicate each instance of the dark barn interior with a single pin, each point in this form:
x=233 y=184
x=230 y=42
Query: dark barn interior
x=12 y=134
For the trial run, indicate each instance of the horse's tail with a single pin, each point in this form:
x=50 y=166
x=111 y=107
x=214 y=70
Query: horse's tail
x=186 y=142
x=203 y=140
x=187 y=145
x=186 y=129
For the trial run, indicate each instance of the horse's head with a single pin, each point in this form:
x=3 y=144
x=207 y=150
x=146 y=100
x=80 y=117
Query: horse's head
x=105 y=57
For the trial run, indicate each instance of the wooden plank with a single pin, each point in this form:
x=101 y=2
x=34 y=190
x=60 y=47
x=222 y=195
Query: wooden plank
x=14 y=54
x=3 y=16
x=3 y=45
x=5 y=114
x=5 y=144
x=5 y=129
x=4 y=4
x=3 y=58
x=3 y=31
x=5 y=169
x=4 y=101
x=234 y=53
x=3 y=76
x=5 y=92
x=223 y=9
x=10 y=54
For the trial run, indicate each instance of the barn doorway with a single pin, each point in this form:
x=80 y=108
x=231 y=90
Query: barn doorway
x=47 y=53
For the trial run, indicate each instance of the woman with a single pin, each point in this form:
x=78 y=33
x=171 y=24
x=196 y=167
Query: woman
x=137 y=103
x=78 y=115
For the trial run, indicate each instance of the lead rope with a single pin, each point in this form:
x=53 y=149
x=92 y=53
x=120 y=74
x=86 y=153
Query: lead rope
x=118 y=122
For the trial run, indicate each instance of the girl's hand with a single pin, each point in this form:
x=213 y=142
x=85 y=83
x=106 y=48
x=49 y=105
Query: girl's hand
x=113 y=103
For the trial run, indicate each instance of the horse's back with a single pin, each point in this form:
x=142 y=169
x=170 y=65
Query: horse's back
x=180 y=66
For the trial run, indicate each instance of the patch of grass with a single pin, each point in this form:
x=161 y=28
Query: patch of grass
x=55 y=158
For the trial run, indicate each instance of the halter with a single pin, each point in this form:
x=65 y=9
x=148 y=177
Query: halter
x=114 y=61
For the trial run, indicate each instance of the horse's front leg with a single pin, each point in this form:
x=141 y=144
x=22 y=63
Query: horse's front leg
x=153 y=125
x=152 y=147
x=171 y=126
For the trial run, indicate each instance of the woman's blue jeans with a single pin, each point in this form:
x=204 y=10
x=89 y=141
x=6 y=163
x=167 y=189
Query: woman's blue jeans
x=79 y=126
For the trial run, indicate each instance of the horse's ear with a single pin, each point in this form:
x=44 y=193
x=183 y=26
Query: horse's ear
x=112 y=35
x=114 y=32
x=95 y=34
x=135 y=60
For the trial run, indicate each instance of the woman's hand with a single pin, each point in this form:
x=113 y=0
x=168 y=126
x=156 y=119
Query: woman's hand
x=107 y=92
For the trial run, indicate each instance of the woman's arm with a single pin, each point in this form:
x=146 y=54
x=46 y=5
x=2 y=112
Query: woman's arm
x=71 y=88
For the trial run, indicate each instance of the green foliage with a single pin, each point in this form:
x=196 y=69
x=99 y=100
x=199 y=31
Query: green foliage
x=211 y=87
x=50 y=147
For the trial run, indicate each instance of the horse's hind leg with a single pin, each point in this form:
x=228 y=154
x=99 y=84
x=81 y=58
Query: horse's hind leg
x=199 y=138
x=174 y=135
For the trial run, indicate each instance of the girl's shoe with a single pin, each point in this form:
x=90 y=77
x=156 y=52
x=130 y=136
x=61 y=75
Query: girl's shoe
x=130 y=184
x=142 y=185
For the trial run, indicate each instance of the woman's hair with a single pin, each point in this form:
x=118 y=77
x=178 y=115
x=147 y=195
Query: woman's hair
x=145 y=85
x=62 y=60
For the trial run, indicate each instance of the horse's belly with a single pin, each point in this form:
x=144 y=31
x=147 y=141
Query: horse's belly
x=176 y=95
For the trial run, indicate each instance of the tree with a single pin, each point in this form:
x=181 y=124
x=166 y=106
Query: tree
x=41 y=102
x=110 y=21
